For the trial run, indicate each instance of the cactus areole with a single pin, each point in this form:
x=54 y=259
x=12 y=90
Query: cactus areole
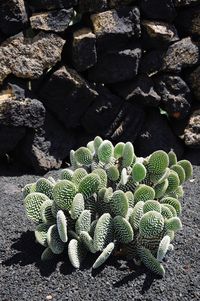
x=109 y=199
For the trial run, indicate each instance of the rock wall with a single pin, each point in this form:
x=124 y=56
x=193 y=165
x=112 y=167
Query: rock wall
x=121 y=69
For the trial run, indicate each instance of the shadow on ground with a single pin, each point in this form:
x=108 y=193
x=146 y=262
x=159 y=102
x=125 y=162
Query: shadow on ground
x=29 y=252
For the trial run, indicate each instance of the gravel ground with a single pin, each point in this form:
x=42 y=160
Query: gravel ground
x=24 y=277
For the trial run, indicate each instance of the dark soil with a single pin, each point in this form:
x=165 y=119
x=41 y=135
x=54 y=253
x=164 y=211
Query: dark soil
x=24 y=277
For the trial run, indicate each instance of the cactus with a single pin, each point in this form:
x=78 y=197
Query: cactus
x=108 y=199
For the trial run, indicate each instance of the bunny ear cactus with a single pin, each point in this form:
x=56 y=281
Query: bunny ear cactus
x=107 y=200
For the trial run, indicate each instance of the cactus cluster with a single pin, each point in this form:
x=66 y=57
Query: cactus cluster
x=110 y=200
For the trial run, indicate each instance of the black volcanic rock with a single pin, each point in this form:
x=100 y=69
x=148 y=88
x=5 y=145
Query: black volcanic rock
x=10 y=137
x=102 y=112
x=156 y=9
x=152 y=62
x=141 y=91
x=182 y=54
x=175 y=95
x=92 y=5
x=51 y=4
x=194 y=82
x=157 y=134
x=113 y=27
x=191 y=23
x=56 y=21
x=128 y=123
x=181 y=3
x=84 y=53
x=46 y=148
x=116 y=66
x=13 y=16
x=157 y=34
x=192 y=130
x=67 y=95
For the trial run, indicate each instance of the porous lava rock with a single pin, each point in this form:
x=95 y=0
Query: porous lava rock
x=47 y=147
x=152 y=62
x=92 y=5
x=140 y=90
x=175 y=95
x=116 y=66
x=182 y=54
x=191 y=24
x=156 y=9
x=84 y=53
x=27 y=58
x=56 y=21
x=101 y=113
x=181 y=3
x=10 y=136
x=192 y=130
x=13 y=16
x=157 y=34
x=157 y=134
x=23 y=112
x=194 y=81
x=51 y=4
x=128 y=123
x=113 y=27
x=67 y=95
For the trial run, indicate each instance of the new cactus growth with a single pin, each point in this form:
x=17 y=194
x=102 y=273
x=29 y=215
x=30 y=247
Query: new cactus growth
x=108 y=199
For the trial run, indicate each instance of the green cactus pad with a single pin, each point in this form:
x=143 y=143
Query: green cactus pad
x=89 y=185
x=54 y=242
x=54 y=209
x=78 y=175
x=128 y=155
x=87 y=241
x=130 y=198
x=105 y=151
x=166 y=212
x=187 y=166
x=136 y=215
x=172 y=158
x=78 y=205
x=92 y=227
x=104 y=232
x=45 y=186
x=47 y=255
x=151 y=224
x=180 y=172
x=119 y=203
x=113 y=173
x=144 y=193
x=83 y=223
x=172 y=209
x=33 y=203
x=173 y=224
x=83 y=156
x=159 y=178
x=97 y=142
x=103 y=177
x=163 y=248
x=90 y=146
x=118 y=150
x=151 y=205
x=104 y=255
x=63 y=194
x=66 y=174
x=91 y=205
x=62 y=226
x=76 y=253
x=41 y=234
x=173 y=202
x=123 y=230
x=150 y=261
x=138 y=172
x=46 y=212
x=160 y=189
x=158 y=162
x=74 y=163
x=173 y=181
x=29 y=188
